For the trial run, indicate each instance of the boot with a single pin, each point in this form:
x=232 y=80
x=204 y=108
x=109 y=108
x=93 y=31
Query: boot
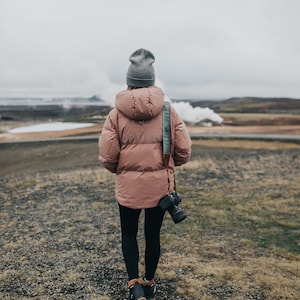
x=148 y=286
x=136 y=291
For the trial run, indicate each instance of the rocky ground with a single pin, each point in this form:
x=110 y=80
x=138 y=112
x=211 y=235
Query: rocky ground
x=59 y=227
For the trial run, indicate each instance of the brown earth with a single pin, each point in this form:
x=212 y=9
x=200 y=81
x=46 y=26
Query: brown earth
x=91 y=130
x=59 y=227
x=287 y=129
x=96 y=129
x=18 y=158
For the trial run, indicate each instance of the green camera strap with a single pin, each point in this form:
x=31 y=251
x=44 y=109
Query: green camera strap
x=166 y=133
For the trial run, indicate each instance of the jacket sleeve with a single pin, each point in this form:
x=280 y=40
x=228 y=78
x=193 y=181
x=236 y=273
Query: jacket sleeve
x=109 y=146
x=182 y=142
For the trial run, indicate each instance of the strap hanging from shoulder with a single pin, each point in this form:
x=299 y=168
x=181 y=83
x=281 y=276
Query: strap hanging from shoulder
x=166 y=133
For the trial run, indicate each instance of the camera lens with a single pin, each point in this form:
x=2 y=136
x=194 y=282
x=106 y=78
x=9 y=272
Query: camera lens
x=177 y=214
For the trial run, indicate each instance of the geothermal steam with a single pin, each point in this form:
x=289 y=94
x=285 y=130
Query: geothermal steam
x=194 y=115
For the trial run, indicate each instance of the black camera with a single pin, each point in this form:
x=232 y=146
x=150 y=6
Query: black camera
x=170 y=203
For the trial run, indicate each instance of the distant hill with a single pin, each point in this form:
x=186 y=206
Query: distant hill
x=95 y=98
x=251 y=105
x=68 y=109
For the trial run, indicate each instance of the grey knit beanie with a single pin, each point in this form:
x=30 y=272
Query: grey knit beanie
x=141 y=72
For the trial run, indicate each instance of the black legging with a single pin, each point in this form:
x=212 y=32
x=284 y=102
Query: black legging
x=129 y=227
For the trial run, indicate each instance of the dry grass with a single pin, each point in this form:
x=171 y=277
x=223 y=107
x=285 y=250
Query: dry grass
x=246 y=144
x=241 y=239
x=256 y=117
x=59 y=231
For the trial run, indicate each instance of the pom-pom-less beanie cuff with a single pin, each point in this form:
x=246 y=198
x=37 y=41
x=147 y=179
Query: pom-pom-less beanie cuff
x=141 y=72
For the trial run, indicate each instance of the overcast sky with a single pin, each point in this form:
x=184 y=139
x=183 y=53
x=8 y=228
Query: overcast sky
x=205 y=49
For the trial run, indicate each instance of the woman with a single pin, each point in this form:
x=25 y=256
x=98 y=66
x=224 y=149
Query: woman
x=130 y=145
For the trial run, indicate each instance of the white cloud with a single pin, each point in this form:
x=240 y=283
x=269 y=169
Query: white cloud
x=211 y=49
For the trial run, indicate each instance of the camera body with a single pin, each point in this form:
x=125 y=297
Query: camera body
x=170 y=203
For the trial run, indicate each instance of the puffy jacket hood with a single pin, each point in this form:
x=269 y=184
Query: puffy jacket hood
x=140 y=104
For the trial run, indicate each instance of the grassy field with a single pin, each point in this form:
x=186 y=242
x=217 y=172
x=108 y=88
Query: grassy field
x=261 y=119
x=59 y=226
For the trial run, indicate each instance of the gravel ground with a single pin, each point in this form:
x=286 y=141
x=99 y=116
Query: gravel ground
x=59 y=230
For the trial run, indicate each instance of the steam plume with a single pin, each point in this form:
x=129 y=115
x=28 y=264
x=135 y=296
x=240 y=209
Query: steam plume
x=191 y=114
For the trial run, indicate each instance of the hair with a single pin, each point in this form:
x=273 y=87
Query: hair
x=133 y=87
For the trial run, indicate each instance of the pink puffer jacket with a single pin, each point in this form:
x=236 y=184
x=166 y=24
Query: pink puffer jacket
x=130 y=145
